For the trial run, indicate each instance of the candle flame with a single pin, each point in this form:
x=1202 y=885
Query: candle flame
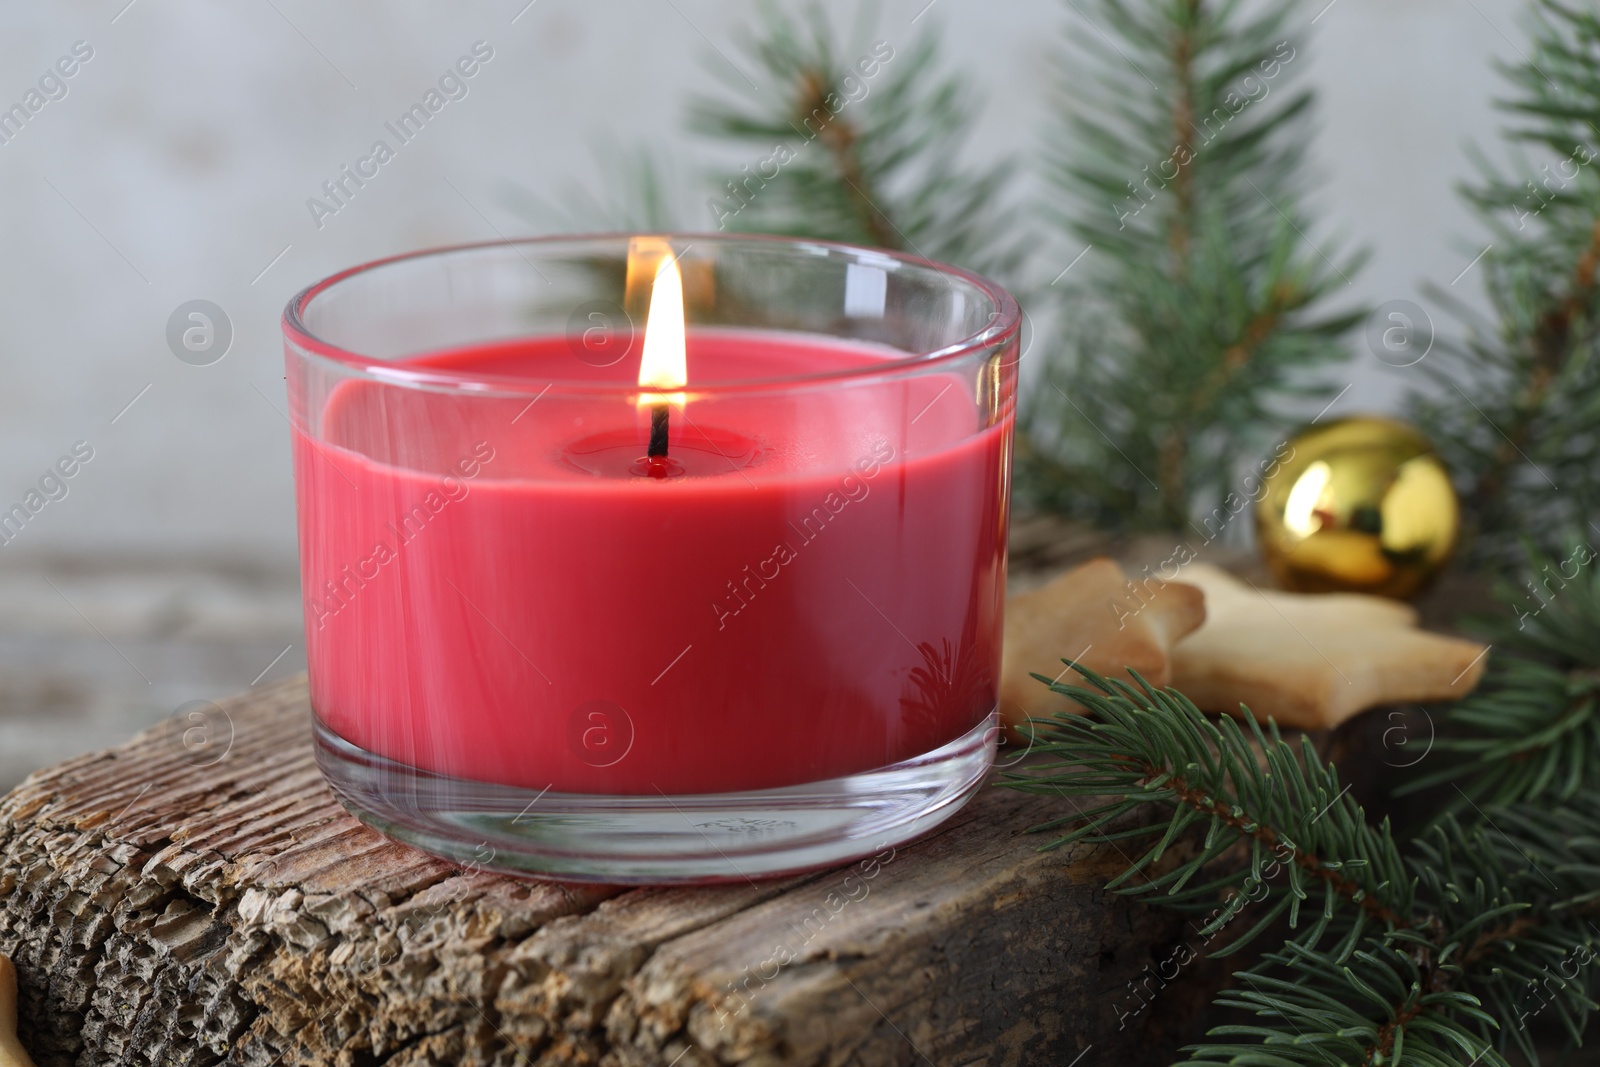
x=664 y=365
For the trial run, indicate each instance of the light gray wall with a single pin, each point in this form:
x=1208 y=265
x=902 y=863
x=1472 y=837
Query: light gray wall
x=179 y=163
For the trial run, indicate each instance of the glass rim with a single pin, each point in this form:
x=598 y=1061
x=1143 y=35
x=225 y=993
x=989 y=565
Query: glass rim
x=1004 y=324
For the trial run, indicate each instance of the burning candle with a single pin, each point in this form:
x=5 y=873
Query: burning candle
x=715 y=598
x=664 y=363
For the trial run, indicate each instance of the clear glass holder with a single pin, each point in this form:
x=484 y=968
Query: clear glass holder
x=656 y=839
x=562 y=623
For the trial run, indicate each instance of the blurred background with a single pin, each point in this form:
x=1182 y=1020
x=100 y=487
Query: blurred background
x=176 y=163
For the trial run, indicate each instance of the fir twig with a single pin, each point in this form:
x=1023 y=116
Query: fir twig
x=1426 y=958
x=1531 y=730
x=1515 y=405
x=1198 y=312
x=1278 y=801
x=862 y=143
x=1380 y=1007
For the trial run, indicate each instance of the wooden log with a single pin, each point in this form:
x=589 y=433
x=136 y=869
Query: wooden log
x=197 y=896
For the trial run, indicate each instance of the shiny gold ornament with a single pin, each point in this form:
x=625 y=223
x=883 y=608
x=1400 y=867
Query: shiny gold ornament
x=1361 y=505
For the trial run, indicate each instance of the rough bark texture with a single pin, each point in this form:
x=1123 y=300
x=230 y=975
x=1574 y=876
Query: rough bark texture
x=172 y=903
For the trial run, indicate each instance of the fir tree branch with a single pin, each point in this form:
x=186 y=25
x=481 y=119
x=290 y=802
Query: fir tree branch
x=1277 y=800
x=1201 y=313
x=1512 y=899
x=1379 y=1007
x=862 y=144
x=1175 y=490
x=1531 y=730
x=1533 y=375
x=840 y=136
x=1552 y=343
x=1183 y=49
x=1202 y=802
x=1421 y=959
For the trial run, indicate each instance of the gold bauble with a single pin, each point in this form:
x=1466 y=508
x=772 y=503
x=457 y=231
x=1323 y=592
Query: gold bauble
x=1361 y=504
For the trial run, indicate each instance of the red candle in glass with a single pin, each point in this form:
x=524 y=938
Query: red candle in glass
x=808 y=586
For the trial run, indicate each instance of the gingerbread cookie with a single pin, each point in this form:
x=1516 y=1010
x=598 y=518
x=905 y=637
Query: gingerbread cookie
x=1313 y=660
x=1095 y=616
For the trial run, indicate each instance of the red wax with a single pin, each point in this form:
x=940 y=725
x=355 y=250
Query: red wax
x=494 y=593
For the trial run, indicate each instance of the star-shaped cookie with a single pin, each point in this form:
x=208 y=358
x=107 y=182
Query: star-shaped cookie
x=1094 y=615
x=1313 y=660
